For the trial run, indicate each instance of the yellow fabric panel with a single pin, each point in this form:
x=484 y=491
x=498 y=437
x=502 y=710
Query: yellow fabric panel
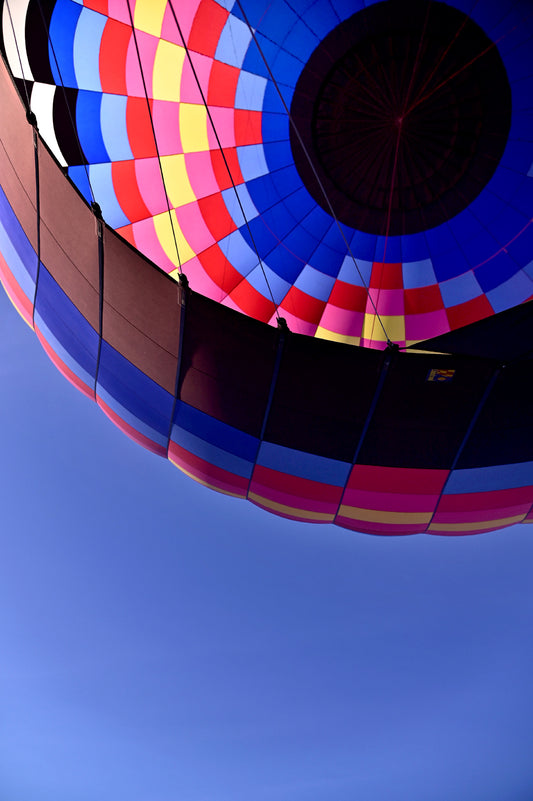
x=475 y=526
x=168 y=66
x=193 y=128
x=380 y=516
x=166 y=232
x=148 y=16
x=324 y=333
x=280 y=508
x=177 y=182
x=394 y=326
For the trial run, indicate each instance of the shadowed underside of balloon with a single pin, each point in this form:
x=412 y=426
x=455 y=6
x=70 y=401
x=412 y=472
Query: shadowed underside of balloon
x=433 y=245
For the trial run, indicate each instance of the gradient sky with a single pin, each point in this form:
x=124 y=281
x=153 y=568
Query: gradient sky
x=161 y=642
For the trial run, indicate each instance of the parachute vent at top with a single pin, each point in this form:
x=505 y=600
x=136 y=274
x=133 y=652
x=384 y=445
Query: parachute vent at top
x=362 y=171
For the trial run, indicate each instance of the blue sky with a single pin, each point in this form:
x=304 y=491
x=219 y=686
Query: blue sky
x=161 y=642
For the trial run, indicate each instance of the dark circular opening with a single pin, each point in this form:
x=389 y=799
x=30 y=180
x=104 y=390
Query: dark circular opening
x=404 y=110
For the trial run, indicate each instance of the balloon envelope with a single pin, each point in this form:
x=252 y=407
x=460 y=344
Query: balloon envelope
x=362 y=170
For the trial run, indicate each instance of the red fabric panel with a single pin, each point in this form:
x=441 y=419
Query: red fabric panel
x=221 y=170
x=222 y=85
x=219 y=269
x=300 y=488
x=216 y=215
x=113 y=51
x=207 y=473
x=423 y=299
x=252 y=302
x=127 y=190
x=386 y=276
x=469 y=312
x=309 y=309
x=140 y=133
x=495 y=499
x=397 y=479
x=207 y=27
x=347 y=296
x=248 y=127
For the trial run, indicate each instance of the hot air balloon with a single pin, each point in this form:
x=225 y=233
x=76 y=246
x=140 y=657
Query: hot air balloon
x=286 y=245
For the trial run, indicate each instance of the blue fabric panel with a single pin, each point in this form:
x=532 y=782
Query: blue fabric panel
x=479 y=249
x=250 y=91
x=133 y=390
x=522 y=93
x=88 y=116
x=415 y=247
x=18 y=239
x=364 y=245
x=238 y=252
x=418 y=274
x=448 y=265
x=440 y=239
x=505 y=183
x=272 y=101
x=63 y=354
x=517 y=62
x=234 y=42
x=78 y=175
x=286 y=68
x=225 y=437
x=205 y=450
x=357 y=274
x=321 y=18
x=521 y=249
x=315 y=283
x=268 y=190
x=278 y=154
x=522 y=199
x=234 y=207
x=87 y=49
x=274 y=127
x=66 y=324
x=113 y=125
x=507 y=225
x=518 y=156
x=253 y=62
x=278 y=286
x=487 y=479
x=487 y=206
x=487 y=15
x=327 y=259
x=102 y=184
x=128 y=417
x=61 y=35
x=252 y=161
x=528 y=269
x=304 y=465
x=393 y=254
x=460 y=289
x=286 y=265
x=14 y=262
x=263 y=238
x=345 y=8
x=496 y=271
x=301 y=41
x=512 y=292
x=277 y=20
